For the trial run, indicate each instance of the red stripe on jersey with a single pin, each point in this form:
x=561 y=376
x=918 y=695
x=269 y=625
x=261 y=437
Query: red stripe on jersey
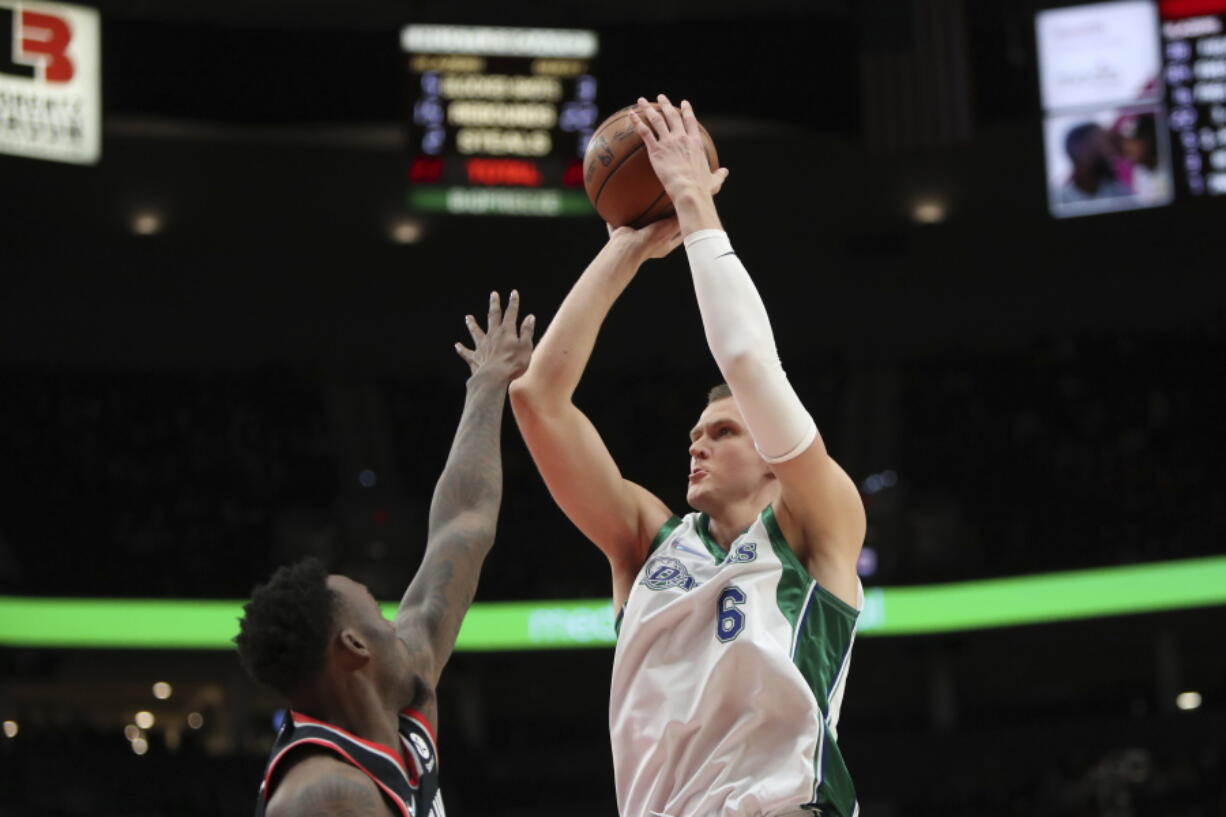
x=299 y=718
x=264 y=788
x=420 y=718
x=416 y=770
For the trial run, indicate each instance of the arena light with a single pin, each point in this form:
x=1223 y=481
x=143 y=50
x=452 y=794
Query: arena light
x=490 y=626
x=144 y=719
x=146 y=223
x=131 y=732
x=162 y=690
x=928 y=211
x=11 y=729
x=195 y=720
x=140 y=746
x=406 y=231
x=1188 y=701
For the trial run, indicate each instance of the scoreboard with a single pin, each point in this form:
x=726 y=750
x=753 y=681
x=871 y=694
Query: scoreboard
x=499 y=118
x=1194 y=46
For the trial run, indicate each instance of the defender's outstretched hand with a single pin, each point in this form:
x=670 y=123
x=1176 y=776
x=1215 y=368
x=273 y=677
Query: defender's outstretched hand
x=501 y=348
x=674 y=146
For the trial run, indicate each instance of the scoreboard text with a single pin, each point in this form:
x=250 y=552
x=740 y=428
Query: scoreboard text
x=499 y=118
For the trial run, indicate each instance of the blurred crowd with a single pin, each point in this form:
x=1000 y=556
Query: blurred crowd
x=966 y=775
x=1071 y=453
x=150 y=485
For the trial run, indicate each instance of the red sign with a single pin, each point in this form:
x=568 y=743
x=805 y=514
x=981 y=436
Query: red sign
x=43 y=40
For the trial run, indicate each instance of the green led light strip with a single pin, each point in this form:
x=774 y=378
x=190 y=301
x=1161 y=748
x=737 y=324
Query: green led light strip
x=521 y=625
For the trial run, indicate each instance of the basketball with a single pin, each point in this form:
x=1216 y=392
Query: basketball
x=618 y=177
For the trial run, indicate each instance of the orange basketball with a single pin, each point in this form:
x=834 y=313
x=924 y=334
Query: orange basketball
x=618 y=176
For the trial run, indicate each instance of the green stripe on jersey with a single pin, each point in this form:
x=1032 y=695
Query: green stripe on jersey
x=702 y=527
x=667 y=528
x=822 y=629
x=794 y=580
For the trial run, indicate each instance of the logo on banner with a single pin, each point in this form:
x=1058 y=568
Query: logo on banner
x=38 y=45
x=50 y=82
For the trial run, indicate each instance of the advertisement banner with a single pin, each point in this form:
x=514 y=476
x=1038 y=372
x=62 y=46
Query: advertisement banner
x=50 y=82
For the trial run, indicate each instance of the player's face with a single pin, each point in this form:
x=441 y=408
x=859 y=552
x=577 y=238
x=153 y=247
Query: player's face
x=724 y=464
x=389 y=655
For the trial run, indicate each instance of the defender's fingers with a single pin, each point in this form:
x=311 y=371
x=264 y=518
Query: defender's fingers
x=512 y=309
x=527 y=329
x=469 y=355
x=474 y=328
x=495 y=317
x=671 y=117
x=688 y=120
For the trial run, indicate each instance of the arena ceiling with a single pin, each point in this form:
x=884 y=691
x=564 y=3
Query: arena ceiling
x=385 y=13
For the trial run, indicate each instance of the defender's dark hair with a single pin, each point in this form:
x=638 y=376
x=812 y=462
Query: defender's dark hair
x=718 y=393
x=283 y=634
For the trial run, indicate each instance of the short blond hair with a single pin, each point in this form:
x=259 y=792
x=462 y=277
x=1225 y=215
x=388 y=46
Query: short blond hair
x=720 y=392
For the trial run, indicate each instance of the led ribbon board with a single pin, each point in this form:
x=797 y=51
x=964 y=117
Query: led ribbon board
x=499 y=118
x=522 y=625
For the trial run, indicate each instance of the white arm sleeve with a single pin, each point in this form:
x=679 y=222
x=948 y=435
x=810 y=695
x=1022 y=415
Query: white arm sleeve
x=740 y=337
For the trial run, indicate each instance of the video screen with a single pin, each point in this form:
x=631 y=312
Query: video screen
x=1104 y=120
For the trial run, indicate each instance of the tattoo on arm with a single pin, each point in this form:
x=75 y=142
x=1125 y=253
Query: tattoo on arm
x=336 y=795
x=463 y=518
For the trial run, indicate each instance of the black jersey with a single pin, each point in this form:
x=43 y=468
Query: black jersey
x=407 y=778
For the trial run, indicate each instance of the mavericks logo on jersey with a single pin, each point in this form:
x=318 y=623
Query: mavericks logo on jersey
x=746 y=552
x=664 y=572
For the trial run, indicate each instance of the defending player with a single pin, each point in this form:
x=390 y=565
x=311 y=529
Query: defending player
x=359 y=738
x=735 y=622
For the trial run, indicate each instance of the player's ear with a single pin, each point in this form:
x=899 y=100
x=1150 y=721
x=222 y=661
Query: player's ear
x=353 y=649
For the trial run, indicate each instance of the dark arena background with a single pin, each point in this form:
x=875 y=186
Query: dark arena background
x=236 y=251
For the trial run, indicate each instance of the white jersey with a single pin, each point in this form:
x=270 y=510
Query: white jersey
x=728 y=679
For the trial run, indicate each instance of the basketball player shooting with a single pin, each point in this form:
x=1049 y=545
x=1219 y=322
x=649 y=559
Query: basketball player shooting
x=736 y=621
x=359 y=737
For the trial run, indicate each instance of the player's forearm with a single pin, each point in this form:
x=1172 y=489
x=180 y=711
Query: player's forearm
x=562 y=355
x=463 y=518
x=471 y=482
x=739 y=335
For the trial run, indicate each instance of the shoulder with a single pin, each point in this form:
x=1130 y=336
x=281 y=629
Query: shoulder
x=319 y=784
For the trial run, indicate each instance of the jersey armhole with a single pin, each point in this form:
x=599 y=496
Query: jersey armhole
x=335 y=751
x=663 y=533
x=788 y=556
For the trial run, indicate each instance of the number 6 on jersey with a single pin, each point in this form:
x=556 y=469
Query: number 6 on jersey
x=731 y=620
